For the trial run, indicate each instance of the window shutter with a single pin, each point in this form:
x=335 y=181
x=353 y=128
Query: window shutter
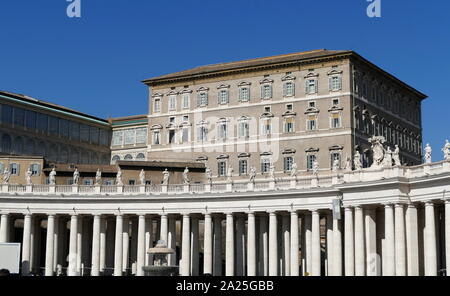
x=306 y=86
x=262 y=91
x=316 y=83
x=228 y=97
x=248 y=94
x=206 y=98
x=38 y=169
x=339 y=82
x=18 y=169
x=270 y=87
x=218 y=97
x=284 y=89
x=293 y=88
x=330 y=83
x=198 y=99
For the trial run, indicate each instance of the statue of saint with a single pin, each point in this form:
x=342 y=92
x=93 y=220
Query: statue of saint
x=428 y=151
x=294 y=170
x=142 y=177
x=6 y=176
x=76 y=177
x=28 y=175
x=230 y=174
x=166 y=176
x=272 y=171
x=378 y=151
x=336 y=165
x=348 y=164
x=52 y=177
x=315 y=168
x=388 y=157
x=119 y=181
x=252 y=174
x=208 y=173
x=357 y=161
x=396 y=156
x=446 y=150
x=98 y=177
x=185 y=176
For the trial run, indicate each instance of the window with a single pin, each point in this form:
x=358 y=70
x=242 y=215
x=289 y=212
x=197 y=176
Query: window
x=186 y=100
x=115 y=158
x=265 y=165
x=244 y=129
x=117 y=138
x=185 y=118
x=35 y=169
x=222 y=131
x=157 y=105
x=31 y=120
x=74 y=131
x=311 y=123
x=185 y=135
x=266 y=127
x=242 y=167
x=128 y=157
x=335 y=120
x=2 y=167
x=140 y=156
x=19 y=117
x=335 y=102
x=202 y=99
x=244 y=94
x=223 y=96
x=222 y=168
x=53 y=126
x=202 y=134
x=310 y=161
x=335 y=83
x=93 y=135
x=14 y=168
x=7 y=115
x=88 y=182
x=289 y=125
x=288 y=89
x=129 y=137
x=156 y=138
x=266 y=91
x=335 y=156
x=312 y=104
x=172 y=120
x=311 y=86
x=172 y=103
x=141 y=136
x=131 y=182
x=290 y=107
x=84 y=133
x=108 y=182
x=171 y=136
x=267 y=109
x=288 y=161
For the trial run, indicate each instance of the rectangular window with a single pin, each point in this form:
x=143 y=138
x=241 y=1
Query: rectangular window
x=129 y=137
x=53 y=125
x=84 y=133
x=64 y=128
x=202 y=99
x=266 y=91
x=141 y=135
x=156 y=138
x=335 y=83
x=75 y=131
x=265 y=165
x=186 y=100
x=131 y=182
x=221 y=168
x=288 y=161
x=185 y=135
x=290 y=107
x=88 y=182
x=35 y=169
x=171 y=136
x=223 y=96
x=172 y=102
x=310 y=161
x=243 y=129
x=117 y=139
x=335 y=120
x=335 y=156
x=288 y=89
x=222 y=131
x=311 y=86
x=31 y=120
x=14 y=168
x=94 y=133
x=266 y=127
x=7 y=114
x=244 y=94
x=289 y=125
x=104 y=137
x=157 y=105
x=19 y=117
x=312 y=123
x=242 y=167
x=202 y=134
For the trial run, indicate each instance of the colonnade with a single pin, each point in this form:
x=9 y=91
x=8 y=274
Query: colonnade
x=384 y=239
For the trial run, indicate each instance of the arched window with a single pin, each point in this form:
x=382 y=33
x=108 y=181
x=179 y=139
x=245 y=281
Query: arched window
x=140 y=156
x=128 y=157
x=6 y=143
x=115 y=159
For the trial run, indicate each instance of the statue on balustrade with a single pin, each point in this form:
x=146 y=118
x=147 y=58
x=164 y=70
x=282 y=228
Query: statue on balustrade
x=6 y=176
x=208 y=173
x=315 y=168
x=142 y=177
x=119 y=181
x=446 y=150
x=230 y=174
x=185 y=176
x=272 y=171
x=378 y=151
x=387 y=157
x=98 y=177
x=357 y=161
x=396 y=156
x=166 y=176
x=348 y=164
x=28 y=175
x=76 y=177
x=336 y=165
x=52 y=177
x=428 y=151
x=294 y=170
x=252 y=174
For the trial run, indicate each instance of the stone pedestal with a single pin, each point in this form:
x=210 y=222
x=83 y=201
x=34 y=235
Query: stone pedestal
x=208 y=187
x=272 y=184
x=52 y=189
x=314 y=182
x=251 y=186
x=97 y=189
x=120 y=189
x=29 y=189
x=164 y=189
x=186 y=188
x=142 y=189
x=75 y=188
x=229 y=187
x=293 y=184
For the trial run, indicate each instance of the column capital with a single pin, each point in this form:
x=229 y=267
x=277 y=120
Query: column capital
x=399 y=205
x=429 y=203
x=388 y=205
x=250 y=213
x=271 y=212
x=348 y=208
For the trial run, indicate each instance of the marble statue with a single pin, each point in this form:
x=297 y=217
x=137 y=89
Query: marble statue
x=335 y=167
x=357 y=161
x=348 y=164
x=52 y=177
x=294 y=170
x=98 y=177
x=208 y=173
x=272 y=171
x=252 y=174
x=166 y=176
x=185 y=176
x=396 y=156
x=119 y=177
x=387 y=157
x=446 y=150
x=315 y=168
x=428 y=151
x=230 y=174
x=142 y=177
x=28 y=175
x=377 y=150
x=76 y=177
x=6 y=176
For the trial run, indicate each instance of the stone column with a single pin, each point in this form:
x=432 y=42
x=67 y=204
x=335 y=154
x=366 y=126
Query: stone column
x=79 y=244
x=229 y=245
x=195 y=262
x=400 y=243
x=430 y=241
x=447 y=236
x=141 y=246
x=172 y=241
x=133 y=245
x=56 y=247
x=186 y=246
x=110 y=245
x=329 y=220
x=164 y=228
x=372 y=259
x=337 y=248
x=390 y=240
x=4 y=228
x=102 y=244
x=360 y=261
x=308 y=243
x=273 y=244
x=263 y=246
x=349 y=243
x=285 y=226
x=149 y=237
x=412 y=240
x=125 y=244
x=26 y=245
x=315 y=243
x=217 y=267
x=49 y=252
x=118 y=250
x=95 y=269
x=294 y=244
x=207 y=248
x=72 y=268
x=251 y=245
x=240 y=246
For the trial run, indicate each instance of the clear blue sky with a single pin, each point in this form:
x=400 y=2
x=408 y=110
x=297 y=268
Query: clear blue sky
x=95 y=64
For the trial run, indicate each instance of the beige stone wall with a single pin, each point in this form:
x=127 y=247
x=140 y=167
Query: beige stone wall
x=24 y=164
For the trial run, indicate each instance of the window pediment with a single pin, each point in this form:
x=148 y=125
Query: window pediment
x=202 y=158
x=267 y=115
x=266 y=81
x=156 y=127
x=288 y=78
x=202 y=89
x=335 y=147
x=289 y=113
x=312 y=110
x=244 y=154
x=203 y=122
x=335 y=108
x=185 y=123
x=311 y=150
x=244 y=83
x=157 y=95
x=186 y=91
x=223 y=156
x=222 y=86
x=171 y=126
x=172 y=93
x=265 y=153
x=311 y=75
x=289 y=151
x=244 y=118
x=334 y=72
